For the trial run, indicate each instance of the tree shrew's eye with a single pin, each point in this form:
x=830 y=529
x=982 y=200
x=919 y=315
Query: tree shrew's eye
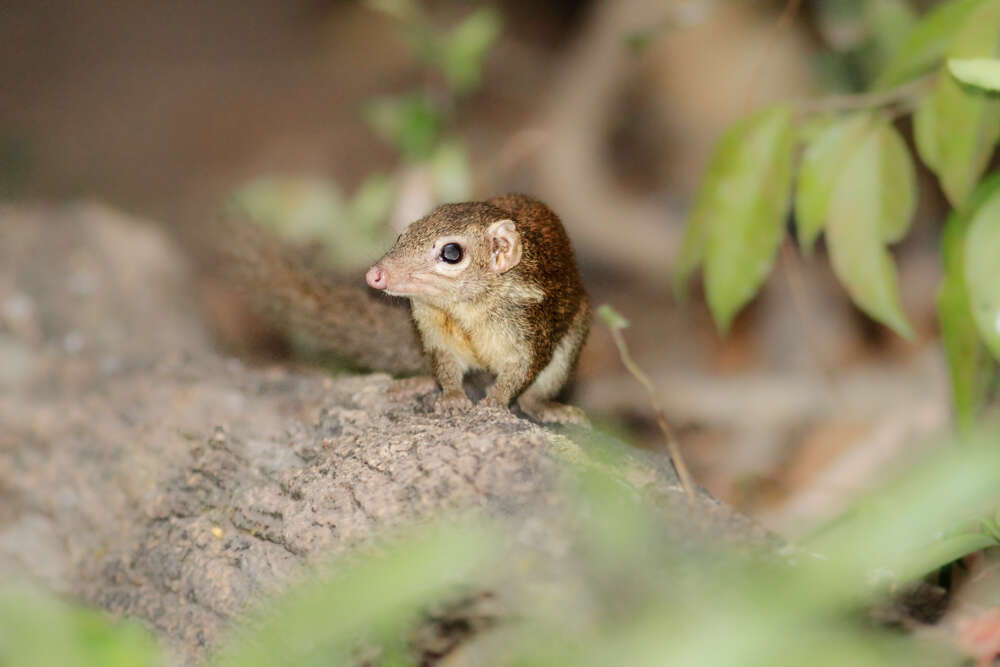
x=451 y=253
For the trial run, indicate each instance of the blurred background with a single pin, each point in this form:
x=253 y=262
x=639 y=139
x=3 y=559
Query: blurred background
x=360 y=116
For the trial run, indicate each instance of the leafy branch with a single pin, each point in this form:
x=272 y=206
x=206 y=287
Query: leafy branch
x=852 y=178
x=905 y=93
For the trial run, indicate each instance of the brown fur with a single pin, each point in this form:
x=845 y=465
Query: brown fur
x=525 y=323
x=510 y=323
x=281 y=285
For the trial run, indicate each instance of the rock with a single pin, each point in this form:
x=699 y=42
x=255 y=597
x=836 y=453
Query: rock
x=145 y=472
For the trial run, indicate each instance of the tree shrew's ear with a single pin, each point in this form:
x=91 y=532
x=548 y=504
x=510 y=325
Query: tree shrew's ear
x=505 y=246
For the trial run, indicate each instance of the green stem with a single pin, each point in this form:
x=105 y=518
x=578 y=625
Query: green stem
x=661 y=419
x=870 y=100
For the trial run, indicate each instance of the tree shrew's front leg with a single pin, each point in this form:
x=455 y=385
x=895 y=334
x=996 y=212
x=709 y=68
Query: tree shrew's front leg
x=449 y=370
x=509 y=383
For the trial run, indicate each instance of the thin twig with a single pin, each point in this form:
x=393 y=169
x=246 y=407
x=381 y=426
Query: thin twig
x=654 y=399
x=878 y=98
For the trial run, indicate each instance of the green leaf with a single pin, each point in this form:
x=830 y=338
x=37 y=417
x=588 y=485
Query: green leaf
x=863 y=214
x=612 y=318
x=899 y=181
x=465 y=50
x=297 y=209
x=743 y=203
x=412 y=124
x=403 y=10
x=37 y=629
x=375 y=597
x=822 y=162
x=956 y=229
x=957 y=129
x=371 y=204
x=692 y=252
x=982 y=259
x=451 y=172
x=927 y=43
x=309 y=211
x=925 y=134
x=980 y=72
x=971 y=369
x=888 y=24
x=989 y=528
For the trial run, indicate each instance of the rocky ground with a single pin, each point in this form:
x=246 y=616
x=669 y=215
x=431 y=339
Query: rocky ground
x=145 y=472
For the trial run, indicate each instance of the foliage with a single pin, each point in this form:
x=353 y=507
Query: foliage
x=415 y=123
x=973 y=371
x=627 y=592
x=981 y=72
x=862 y=35
x=351 y=231
x=856 y=184
x=36 y=629
x=371 y=599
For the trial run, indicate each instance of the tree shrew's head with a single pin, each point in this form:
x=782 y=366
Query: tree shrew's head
x=456 y=253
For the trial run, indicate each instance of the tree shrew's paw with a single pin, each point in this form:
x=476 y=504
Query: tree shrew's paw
x=452 y=402
x=491 y=403
x=488 y=406
x=551 y=412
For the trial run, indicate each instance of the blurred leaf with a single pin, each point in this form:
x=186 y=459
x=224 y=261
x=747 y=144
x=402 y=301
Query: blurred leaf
x=451 y=172
x=825 y=159
x=297 y=209
x=809 y=128
x=822 y=162
x=889 y=24
x=903 y=530
x=899 y=181
x=971 y=368
x=957 y=129
x=972 y=371
x=612 y=318
x=404 y=10
x=371 y=204
x=38 y=630
x=311 y=211
x=870 y=203
x=989 y=527
x=980 y=72
x=925 y=134
x=743 y=203
x=412 y=124
x=927 y=42
x=982 y=259
x=692 y=252
x=464 y=51
x=373 y=598
x=953 y=239
x=706 y=205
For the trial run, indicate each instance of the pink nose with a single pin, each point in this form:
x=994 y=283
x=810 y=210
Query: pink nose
x=376 y=277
